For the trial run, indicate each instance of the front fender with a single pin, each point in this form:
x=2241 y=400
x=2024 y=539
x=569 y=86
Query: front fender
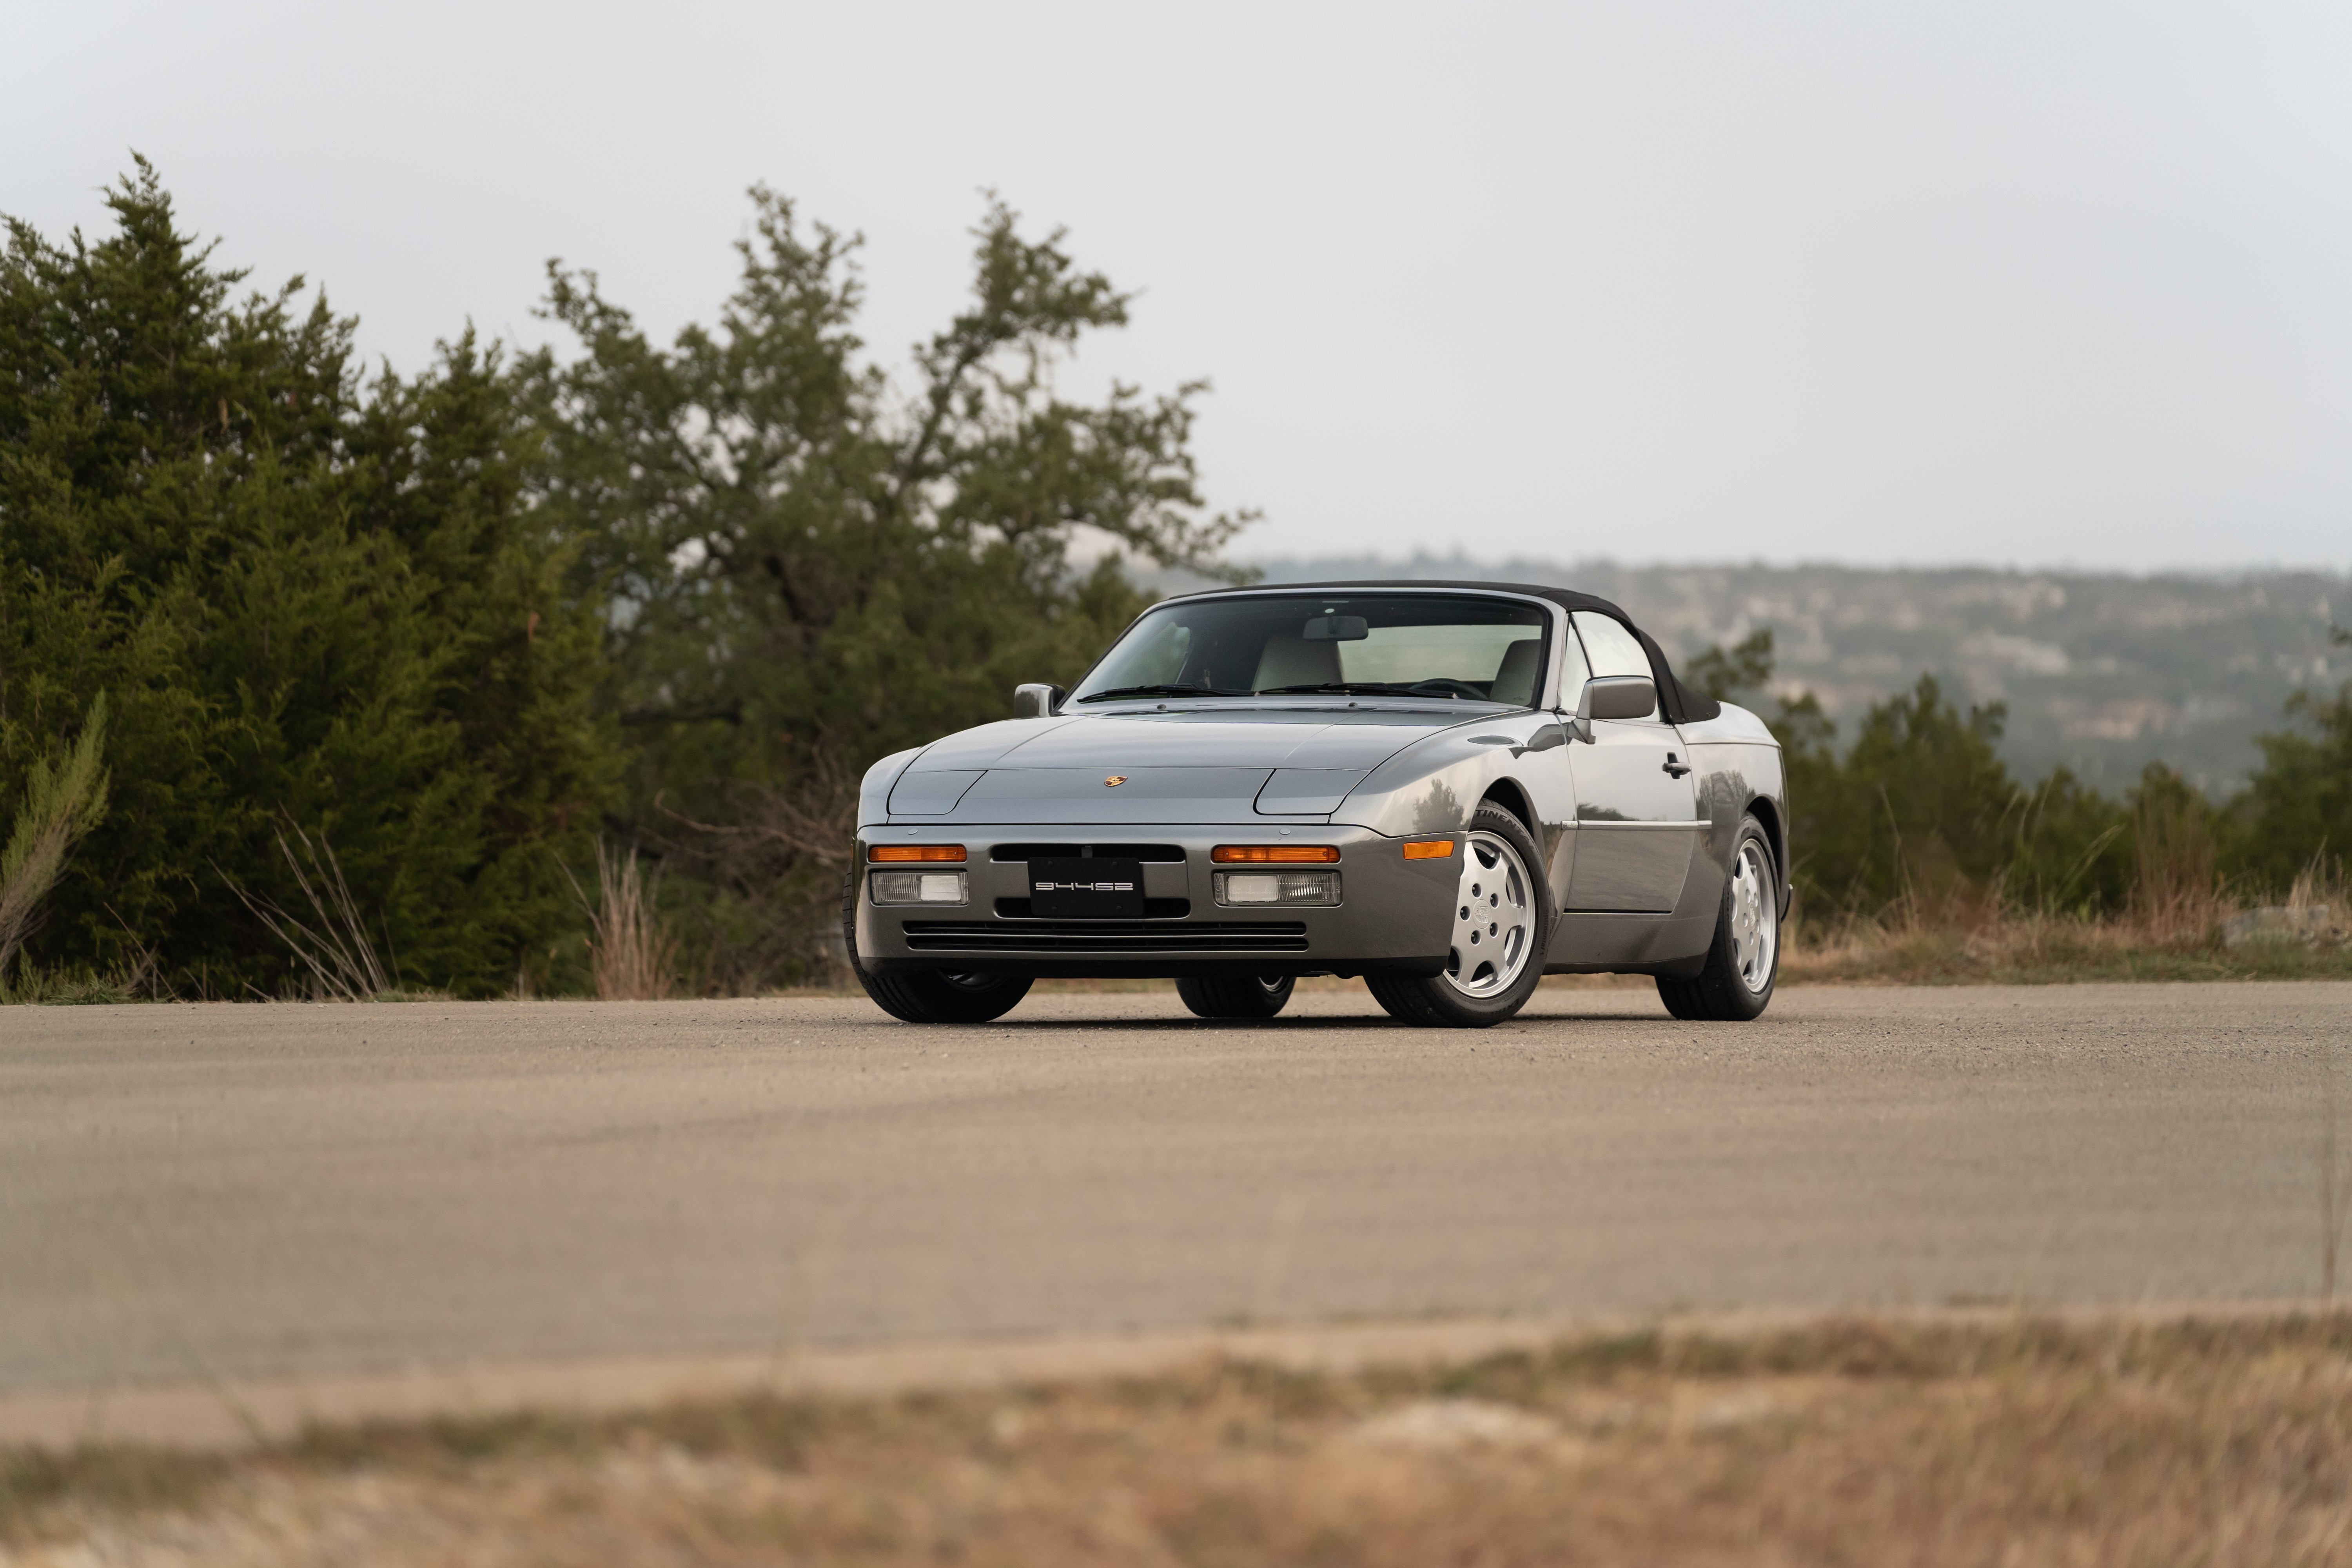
x=1435 y=784
x=874 y=791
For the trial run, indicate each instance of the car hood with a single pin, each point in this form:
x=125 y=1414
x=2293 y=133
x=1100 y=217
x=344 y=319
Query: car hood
x=1186 y=765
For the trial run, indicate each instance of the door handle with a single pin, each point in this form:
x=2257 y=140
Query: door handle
x=1675 y=769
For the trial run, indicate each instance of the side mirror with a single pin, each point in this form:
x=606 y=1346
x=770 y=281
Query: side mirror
x=1035 y=700
x=1616 y=697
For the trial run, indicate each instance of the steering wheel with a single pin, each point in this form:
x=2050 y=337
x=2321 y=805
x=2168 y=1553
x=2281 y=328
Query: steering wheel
x=1451 y=688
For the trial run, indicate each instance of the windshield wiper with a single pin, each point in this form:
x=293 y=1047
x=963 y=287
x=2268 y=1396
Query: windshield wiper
x=1351 y=689
x=1157 y=691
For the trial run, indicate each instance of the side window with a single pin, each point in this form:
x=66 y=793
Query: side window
x=1611 y=649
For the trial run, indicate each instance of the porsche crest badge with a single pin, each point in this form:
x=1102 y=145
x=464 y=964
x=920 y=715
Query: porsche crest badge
x=1114 y=781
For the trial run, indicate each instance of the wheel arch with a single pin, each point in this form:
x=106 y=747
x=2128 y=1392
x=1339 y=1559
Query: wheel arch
x=1506 y=794
x=1765 y=812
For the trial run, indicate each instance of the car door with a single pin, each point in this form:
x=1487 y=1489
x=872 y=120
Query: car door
x=1637 y=806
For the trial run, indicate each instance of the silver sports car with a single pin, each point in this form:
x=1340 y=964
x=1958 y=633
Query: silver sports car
x=1450 y=789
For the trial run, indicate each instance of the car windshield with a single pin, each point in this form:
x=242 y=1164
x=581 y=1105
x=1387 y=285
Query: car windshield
x=1414 y=645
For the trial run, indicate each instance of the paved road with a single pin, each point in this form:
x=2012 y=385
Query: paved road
x=190 y=1192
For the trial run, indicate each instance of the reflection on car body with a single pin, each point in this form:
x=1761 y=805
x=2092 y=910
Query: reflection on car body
x=1447 y=788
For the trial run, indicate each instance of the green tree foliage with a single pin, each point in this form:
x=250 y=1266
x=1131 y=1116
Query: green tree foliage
x=1730 y=674
x=809 y=565
x=1920 y=813
x=1863 y=834
x=2298 y=808
x=2072 y=850
x=308 y=604
x=1924 y=803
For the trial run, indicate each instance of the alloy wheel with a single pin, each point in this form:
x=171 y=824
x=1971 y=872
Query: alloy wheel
x=1492 y=918
x=1755 y=919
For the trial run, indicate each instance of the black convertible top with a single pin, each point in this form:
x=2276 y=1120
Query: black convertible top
x=1683 y=705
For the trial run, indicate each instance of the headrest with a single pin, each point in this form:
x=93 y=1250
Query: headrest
x=1514 y=678
x=1295 y=661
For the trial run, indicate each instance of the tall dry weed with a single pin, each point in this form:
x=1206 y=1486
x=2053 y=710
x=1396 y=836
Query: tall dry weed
x=632 y=957
x=2175 y=893
x=2322 y=884
x=333 y=945
x=60 y=804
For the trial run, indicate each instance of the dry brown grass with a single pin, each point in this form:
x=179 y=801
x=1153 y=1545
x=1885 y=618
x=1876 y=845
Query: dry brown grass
x=1844 y=1442
x=632 y=957
x=2009 y=947
x=2171 y=929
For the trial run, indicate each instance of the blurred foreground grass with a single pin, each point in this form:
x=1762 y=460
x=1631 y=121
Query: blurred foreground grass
x=1920 y=1441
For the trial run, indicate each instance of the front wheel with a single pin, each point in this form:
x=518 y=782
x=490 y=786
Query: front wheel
x=933 y=997
x=1247 y=996
x=1502 y=917
x=1744 y=960
x=942 y=996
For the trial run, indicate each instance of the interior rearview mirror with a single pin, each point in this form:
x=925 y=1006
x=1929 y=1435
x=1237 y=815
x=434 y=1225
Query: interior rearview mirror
x=1617 y=697
x=1336 y=629
x=1032 y=699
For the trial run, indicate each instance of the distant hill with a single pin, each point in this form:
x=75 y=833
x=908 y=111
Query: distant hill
x=2102 y=673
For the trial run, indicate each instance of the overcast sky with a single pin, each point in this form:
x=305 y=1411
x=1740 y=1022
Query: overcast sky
x=2033 y=283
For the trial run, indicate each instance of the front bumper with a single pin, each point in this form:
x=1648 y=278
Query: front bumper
x=1394 y=913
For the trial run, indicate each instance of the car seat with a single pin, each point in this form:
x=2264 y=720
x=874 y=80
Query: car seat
x=1295 y=661
x=1514 y=678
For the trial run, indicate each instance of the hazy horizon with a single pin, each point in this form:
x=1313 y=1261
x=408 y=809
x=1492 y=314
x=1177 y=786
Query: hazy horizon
x=1405 y=560
x=1976 y=285
x=2100 y=672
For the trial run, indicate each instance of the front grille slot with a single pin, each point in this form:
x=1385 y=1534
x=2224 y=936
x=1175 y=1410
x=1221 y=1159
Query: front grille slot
x=1160 y=854
x=1153 y=909
x=1106 y=936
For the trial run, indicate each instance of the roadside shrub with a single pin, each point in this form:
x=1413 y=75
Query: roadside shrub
x=310 y=605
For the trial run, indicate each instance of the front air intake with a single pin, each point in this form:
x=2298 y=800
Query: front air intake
x=1106 y=936
x=1156 y=854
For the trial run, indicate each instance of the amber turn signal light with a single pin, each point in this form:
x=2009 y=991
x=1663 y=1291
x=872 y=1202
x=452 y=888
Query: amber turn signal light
x=1273 y=854
x=1430 y=849
x=914 y=852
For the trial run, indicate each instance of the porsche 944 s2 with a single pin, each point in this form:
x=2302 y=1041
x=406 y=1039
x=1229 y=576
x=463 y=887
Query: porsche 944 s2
x=1450 y=789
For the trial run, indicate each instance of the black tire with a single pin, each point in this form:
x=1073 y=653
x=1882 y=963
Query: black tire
x=936 y=996
x=1676 y=996
x=1743 y=964
x=1440 y=1001
x=1238 y=997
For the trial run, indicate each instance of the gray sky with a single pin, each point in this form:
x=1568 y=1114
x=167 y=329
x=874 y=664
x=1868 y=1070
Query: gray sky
x=2036 y=283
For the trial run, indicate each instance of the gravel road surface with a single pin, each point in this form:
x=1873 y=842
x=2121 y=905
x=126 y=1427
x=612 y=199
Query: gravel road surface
x=222 y=1191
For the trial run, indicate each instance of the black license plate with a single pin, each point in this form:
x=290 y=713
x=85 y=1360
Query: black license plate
x=1085 y=889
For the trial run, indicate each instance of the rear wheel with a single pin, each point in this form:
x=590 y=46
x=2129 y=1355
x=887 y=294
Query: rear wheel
x=933 y=997
x=1245 y=997
x=1502 y=916
x=1745 y=959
